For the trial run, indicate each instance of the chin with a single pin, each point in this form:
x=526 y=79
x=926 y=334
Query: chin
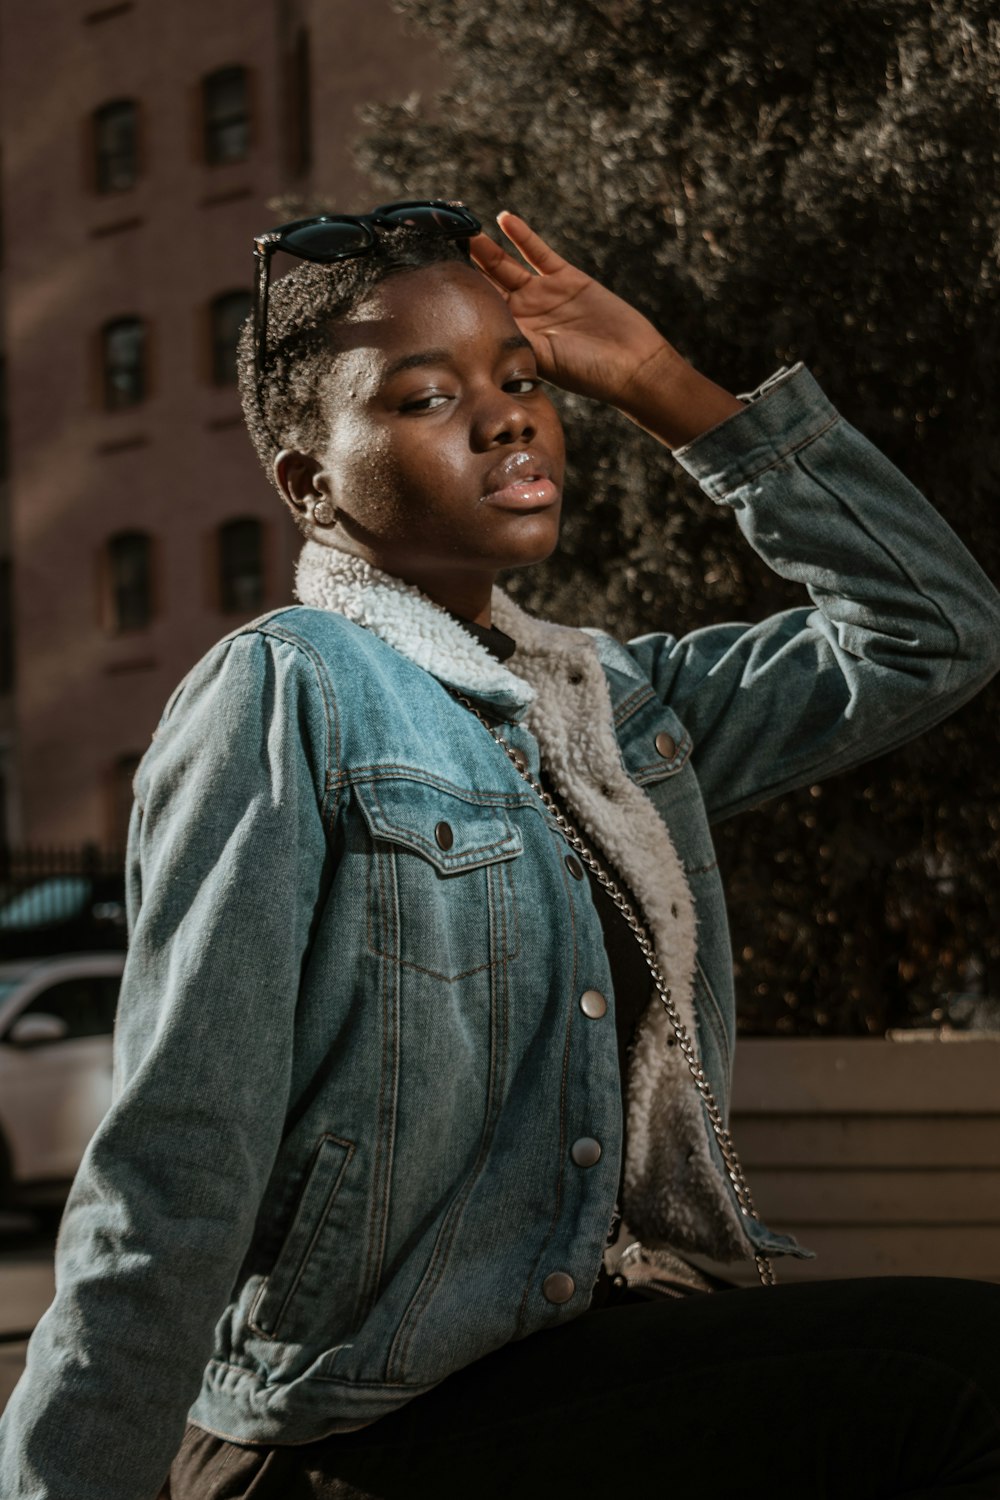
x=532 y=548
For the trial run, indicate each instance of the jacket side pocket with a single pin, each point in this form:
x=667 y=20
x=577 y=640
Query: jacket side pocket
x=319 y=1193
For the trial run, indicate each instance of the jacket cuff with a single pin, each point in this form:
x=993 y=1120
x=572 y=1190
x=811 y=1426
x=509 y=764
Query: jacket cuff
x=784 y=413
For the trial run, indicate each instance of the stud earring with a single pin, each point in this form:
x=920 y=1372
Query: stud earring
x=324 y=513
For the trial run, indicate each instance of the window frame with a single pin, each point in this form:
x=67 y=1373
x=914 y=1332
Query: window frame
x=104 y=367
x=299 y=103
x=94 y=142
x=220 y=595
x=206 y=125
x=213 y=362
x=111 y=613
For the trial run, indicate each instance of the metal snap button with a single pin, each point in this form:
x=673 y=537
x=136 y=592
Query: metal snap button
x=586 y=1152
x=666 y=745
x=558 y=1287
x=574 y=867
x=593 y=1004
x=444 y=835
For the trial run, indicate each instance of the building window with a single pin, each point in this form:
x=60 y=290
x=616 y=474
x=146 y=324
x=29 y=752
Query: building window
x=300 y=105
x=130 y=571
x=226 y=115
x=241 y=566
x=228 y=314
x=123 y=346
x=116 y=146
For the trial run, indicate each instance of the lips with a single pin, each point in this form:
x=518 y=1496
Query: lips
x=520 y=481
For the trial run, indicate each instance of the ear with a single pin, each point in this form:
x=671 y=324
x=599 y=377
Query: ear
x=301 y=480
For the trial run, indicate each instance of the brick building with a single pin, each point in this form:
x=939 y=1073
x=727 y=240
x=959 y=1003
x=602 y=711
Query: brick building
x=141 y=146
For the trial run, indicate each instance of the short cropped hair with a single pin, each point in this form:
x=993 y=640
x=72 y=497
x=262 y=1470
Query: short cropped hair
x=304 y=308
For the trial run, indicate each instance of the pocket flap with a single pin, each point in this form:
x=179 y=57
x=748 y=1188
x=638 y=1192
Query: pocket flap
x=452 y=832
x=654 y=743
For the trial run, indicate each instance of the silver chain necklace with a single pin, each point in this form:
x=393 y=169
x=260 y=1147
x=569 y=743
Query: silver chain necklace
x=733 y=1165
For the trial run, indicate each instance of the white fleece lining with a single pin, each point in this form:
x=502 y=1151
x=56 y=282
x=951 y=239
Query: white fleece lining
x=673 y=1192
x=403 y=617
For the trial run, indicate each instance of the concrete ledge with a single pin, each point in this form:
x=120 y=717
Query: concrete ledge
x=883 y=1156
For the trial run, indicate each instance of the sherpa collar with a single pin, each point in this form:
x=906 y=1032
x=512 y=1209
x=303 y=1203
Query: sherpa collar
x=555 y=683
x=416 y=627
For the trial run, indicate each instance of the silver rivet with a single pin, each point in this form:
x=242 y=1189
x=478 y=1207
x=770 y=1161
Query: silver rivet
x=558 y=1287
x=444 y=835
x=666 y=745
x=593 y=1004
x=574 y=867
x=586 y=1152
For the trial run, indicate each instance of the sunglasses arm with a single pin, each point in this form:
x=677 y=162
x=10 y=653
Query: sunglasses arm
x=262 y=252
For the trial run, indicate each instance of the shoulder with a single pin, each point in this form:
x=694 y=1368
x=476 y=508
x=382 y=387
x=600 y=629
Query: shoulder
x=274 y=675
x=630 y=666
x=313 y=645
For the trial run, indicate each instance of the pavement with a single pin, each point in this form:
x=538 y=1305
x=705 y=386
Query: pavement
x=26 y=1289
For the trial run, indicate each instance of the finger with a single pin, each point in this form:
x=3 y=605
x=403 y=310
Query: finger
x=501 y=268
x=491 y=281
x=531 y=245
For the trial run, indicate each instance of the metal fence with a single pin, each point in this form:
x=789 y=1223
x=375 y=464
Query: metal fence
x=60 y=900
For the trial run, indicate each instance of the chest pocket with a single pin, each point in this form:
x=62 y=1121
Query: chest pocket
x=441 y=890
x=656 y=749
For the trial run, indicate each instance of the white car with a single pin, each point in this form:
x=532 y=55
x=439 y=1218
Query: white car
x=56 y=1019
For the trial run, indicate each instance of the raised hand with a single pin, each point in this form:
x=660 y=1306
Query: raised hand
x=585 y=338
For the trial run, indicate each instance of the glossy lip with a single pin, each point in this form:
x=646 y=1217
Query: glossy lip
x=534 y=494
x=520 y=481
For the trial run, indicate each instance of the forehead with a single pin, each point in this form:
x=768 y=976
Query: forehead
x=447 y=306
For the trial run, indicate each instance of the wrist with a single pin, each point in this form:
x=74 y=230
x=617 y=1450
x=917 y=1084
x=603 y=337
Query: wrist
x=671 y=400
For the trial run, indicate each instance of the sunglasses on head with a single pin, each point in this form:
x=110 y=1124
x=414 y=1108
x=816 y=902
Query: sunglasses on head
x=330 y=237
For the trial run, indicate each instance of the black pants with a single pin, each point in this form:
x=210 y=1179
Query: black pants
x=859 y=1390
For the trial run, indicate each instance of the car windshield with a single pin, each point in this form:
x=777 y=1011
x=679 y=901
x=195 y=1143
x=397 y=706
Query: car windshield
x=56 y=900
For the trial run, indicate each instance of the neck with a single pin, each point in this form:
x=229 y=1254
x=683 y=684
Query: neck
x=464 y=592
x=467 y=595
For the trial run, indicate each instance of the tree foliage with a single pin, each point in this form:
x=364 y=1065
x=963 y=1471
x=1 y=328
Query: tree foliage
x=768 y=183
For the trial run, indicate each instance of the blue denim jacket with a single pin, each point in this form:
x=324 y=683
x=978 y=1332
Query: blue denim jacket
x=351 y=1057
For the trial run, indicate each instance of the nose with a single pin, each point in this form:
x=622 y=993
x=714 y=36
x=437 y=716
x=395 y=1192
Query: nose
x=502 y=420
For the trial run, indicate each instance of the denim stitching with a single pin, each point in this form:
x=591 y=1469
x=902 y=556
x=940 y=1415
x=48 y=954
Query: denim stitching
x=560 y=1180
x=632 y=703
x=381 y=1195
x=454 y=862
x=326 y=697
x=448 y=1233
x=402 y=771
x=313 y=1169
x=773 y=461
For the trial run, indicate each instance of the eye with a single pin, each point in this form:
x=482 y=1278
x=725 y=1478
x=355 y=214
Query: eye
x=522 y=385
x=425 y=403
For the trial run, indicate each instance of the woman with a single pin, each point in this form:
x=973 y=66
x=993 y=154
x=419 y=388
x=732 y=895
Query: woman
x=425 y=1035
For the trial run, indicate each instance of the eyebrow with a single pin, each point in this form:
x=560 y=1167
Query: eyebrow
x=442 y=356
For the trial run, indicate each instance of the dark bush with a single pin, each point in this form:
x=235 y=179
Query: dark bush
x=769 y=183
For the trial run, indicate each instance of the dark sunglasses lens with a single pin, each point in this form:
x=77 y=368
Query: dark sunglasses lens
x=428 y=217
x=326 y=241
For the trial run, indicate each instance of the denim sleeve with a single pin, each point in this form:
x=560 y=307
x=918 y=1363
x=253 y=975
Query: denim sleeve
x=904 y=626
x=226 y=850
